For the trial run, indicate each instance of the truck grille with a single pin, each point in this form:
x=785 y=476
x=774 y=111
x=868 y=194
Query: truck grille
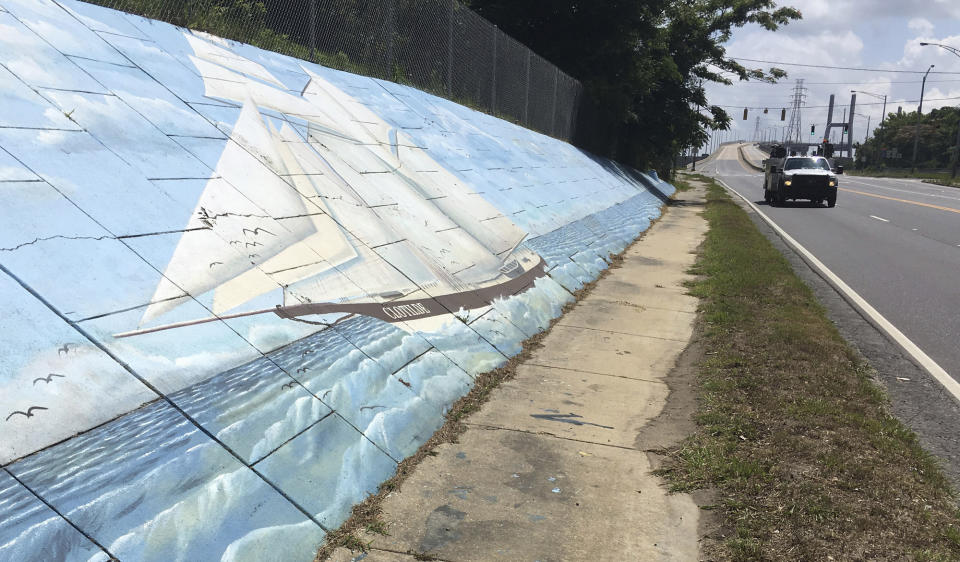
x=809 y=181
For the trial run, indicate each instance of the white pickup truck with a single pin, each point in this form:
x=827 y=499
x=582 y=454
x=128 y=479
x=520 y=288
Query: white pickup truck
x=799 y=177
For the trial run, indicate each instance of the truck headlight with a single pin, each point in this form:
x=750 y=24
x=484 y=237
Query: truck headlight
x=833 y=183
x=787 y=182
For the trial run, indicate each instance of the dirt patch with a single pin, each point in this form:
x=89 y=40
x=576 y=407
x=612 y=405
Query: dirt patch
x=675 y=423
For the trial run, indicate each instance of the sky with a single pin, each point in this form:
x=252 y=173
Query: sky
x=875 y=34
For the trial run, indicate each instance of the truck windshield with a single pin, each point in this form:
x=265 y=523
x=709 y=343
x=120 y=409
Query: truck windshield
x=806 y=164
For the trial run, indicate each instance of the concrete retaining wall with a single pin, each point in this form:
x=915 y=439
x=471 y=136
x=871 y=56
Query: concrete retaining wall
x=237 y=288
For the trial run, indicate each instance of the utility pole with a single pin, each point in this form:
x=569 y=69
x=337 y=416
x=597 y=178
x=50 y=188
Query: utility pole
x=956 y=147
x=916 y=131
x=883 y=117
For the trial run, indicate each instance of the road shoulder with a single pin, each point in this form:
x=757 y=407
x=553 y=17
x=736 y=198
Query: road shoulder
x=916 y=398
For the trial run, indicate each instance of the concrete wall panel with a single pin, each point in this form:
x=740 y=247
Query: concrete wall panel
x=238 y=288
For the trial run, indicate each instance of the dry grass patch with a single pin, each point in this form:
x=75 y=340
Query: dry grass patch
x=794 y=434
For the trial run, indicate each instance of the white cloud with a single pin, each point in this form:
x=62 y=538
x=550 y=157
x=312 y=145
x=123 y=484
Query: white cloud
x=921 y=25
x=844 y=33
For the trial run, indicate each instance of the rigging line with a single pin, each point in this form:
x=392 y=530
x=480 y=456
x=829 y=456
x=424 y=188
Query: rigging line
x=860 y=69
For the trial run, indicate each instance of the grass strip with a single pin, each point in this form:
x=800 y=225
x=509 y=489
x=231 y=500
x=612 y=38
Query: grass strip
x=794 y=435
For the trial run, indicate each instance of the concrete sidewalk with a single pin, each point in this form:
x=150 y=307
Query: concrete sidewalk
x=554 y=466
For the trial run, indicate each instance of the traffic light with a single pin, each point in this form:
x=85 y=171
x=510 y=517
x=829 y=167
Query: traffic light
x=813 y=129
x=783 y=114
x=766 y=110
x=845 y=127
x=744 y=113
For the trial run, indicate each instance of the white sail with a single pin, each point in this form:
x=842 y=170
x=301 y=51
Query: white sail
x=316 y=254
x=239 y=235
x=381 y=218
x=207 y=51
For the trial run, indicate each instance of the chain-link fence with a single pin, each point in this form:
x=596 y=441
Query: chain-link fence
x=438 y=46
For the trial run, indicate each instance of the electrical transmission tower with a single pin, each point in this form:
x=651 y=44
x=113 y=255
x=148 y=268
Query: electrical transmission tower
x=756 y=130
x=799 y=97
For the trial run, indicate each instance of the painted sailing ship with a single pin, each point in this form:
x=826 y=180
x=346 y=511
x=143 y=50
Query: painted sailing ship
x=354 y=218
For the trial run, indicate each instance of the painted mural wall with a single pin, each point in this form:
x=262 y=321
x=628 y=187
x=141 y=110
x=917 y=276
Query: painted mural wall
x=237 y=288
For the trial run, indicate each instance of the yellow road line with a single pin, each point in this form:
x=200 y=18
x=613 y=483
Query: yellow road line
x=949 y=209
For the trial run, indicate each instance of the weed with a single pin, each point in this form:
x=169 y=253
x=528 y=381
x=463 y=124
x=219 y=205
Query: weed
x=378 y=526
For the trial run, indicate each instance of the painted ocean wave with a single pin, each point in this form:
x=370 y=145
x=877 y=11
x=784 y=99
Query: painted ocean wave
x=161 y=490
x=325 y=419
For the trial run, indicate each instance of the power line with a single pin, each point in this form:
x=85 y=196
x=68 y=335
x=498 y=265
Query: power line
x=860 y=69
x=856 y=82
x=826 y=106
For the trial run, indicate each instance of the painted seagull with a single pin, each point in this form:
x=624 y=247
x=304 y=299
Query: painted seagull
x=289 y=385
x=48 y=379
x=64 y=349
x=28 y=413
x=257 y=231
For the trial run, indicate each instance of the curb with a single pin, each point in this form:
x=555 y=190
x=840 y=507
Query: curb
x=746 y=161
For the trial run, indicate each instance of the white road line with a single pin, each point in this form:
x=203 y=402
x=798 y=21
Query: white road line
x=871 y=314
x=908 y=191
x=879 y=218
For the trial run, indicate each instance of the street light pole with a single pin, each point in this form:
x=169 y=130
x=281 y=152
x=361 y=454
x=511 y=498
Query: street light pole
x=883 y=118
x=916 y=130
x=956 y=146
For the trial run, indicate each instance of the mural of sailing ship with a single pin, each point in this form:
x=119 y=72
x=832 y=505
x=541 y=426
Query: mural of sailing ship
x=464 y=255
x=239 y=288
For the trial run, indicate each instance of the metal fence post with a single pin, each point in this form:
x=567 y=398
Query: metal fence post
x=313 y=30
x=553 y=124
x=390 y=25
x=526 y=92
x=450 y=13
x=493 y=81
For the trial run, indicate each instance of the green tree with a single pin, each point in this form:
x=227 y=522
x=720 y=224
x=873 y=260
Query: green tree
x=937 y=134
x=643 y=65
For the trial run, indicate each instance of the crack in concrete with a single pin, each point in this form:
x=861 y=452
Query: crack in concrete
x=548 y=434
x=45 y=238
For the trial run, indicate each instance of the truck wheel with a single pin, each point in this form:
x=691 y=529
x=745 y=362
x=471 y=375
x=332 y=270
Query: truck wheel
x=832 y=201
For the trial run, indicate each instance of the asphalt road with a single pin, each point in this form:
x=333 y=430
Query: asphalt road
x=910 y=276
x=895 y=242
